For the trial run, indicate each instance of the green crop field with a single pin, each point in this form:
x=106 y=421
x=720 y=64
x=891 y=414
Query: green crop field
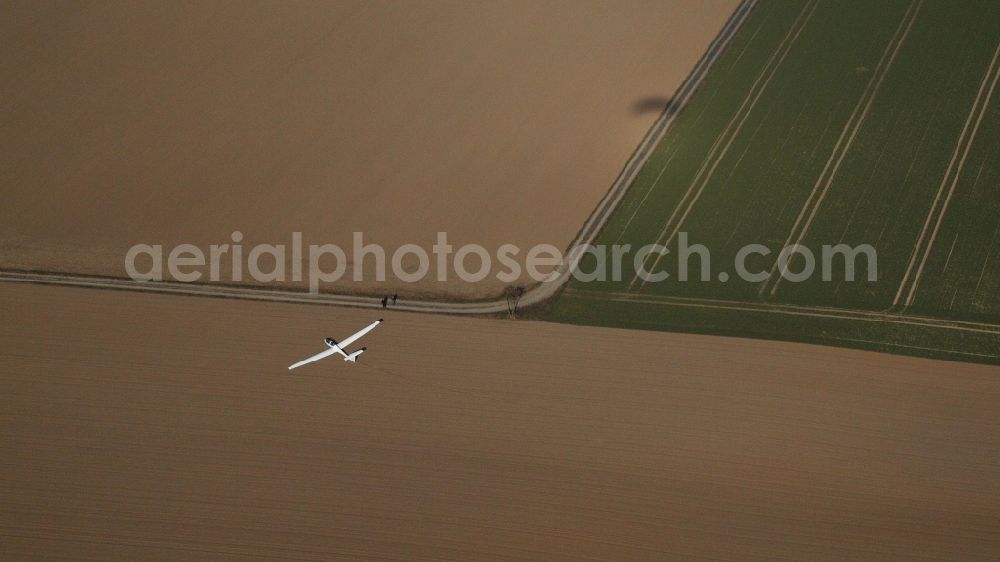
x=826 y=123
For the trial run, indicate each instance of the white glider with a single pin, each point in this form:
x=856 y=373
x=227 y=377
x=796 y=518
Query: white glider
x=340 y=347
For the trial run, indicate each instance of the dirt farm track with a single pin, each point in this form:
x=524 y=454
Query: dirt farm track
x=164 y=427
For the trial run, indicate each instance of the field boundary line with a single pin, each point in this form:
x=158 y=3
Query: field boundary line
x=729 y=134
x=968 y=142
x=807 y=308
x=795 y=310
x=535 y=295
x=841 y=148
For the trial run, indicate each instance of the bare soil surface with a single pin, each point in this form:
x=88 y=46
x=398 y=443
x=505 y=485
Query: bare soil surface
x=506 y=122
x=165 y=427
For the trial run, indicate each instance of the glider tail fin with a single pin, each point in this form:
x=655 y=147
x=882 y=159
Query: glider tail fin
x=353 y=358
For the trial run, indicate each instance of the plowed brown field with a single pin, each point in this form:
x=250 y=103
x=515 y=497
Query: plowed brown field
x=163 y=427
x=501 y=122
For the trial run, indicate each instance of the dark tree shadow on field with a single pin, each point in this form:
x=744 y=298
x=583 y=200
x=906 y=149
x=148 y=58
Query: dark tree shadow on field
x=651 y=104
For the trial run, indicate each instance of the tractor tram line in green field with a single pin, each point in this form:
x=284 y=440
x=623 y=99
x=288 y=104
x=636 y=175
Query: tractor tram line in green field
x=827 y=123
x=964 y=144
x=840 y=150
x=725 y=139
